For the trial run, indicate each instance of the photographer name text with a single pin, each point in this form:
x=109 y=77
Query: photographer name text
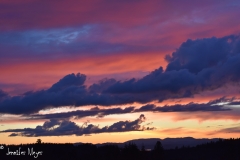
x=20 y=152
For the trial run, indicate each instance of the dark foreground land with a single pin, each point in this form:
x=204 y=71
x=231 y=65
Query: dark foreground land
x=219 y=150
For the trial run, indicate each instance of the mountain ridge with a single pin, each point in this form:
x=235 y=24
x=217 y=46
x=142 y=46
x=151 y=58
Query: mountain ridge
x=167 y=143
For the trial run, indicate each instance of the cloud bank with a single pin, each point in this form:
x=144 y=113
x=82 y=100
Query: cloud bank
x=196 y=66
x=55 y=127
x=190 y=107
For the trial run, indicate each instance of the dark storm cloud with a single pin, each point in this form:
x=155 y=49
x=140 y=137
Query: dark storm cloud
x=197 y=66
x=102 y=85
x=65 y=127
x=65 y=92
x=195 y=55
x=67 y=81
x=158 y=80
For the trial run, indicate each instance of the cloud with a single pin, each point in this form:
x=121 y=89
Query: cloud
x=197 y=66
x=178 y=130
x=59 y=44
x=82 y=30
x=101 y=85
x=173 y=130
x=67 y=81
x=196 y=55
x=184 y=76
x=190 y=107
x=84 y=113
x=234 y=103
x=228 y=130
x=65 y=127
x=104 y=31
x=73 y=13
x=65 y=92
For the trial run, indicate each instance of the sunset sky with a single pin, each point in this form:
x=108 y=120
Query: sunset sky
x=114 y=70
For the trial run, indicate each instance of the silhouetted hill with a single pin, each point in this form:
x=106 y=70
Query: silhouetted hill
x=167 y=143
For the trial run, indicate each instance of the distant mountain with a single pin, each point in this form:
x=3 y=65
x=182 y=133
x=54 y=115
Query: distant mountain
x=168 y=143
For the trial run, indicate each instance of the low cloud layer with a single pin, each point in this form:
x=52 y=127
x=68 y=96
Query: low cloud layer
x=55 y=127
x=84 y=113
x=190 y=107
x=196 y=66
x=230 y=130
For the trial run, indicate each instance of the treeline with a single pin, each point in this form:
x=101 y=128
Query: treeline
x=221 y=149
x=85 y=151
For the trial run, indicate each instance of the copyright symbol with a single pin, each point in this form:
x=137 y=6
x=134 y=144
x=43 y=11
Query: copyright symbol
x=1 y=147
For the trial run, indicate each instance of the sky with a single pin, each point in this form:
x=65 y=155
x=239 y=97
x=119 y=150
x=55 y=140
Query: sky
x=110 y=71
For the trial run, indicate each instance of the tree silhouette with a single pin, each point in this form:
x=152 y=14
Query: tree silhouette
x=143 y=148
x=130 y=151
x=39 y=141
x=158 y=151
x=158 y=147
x=108 y=152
